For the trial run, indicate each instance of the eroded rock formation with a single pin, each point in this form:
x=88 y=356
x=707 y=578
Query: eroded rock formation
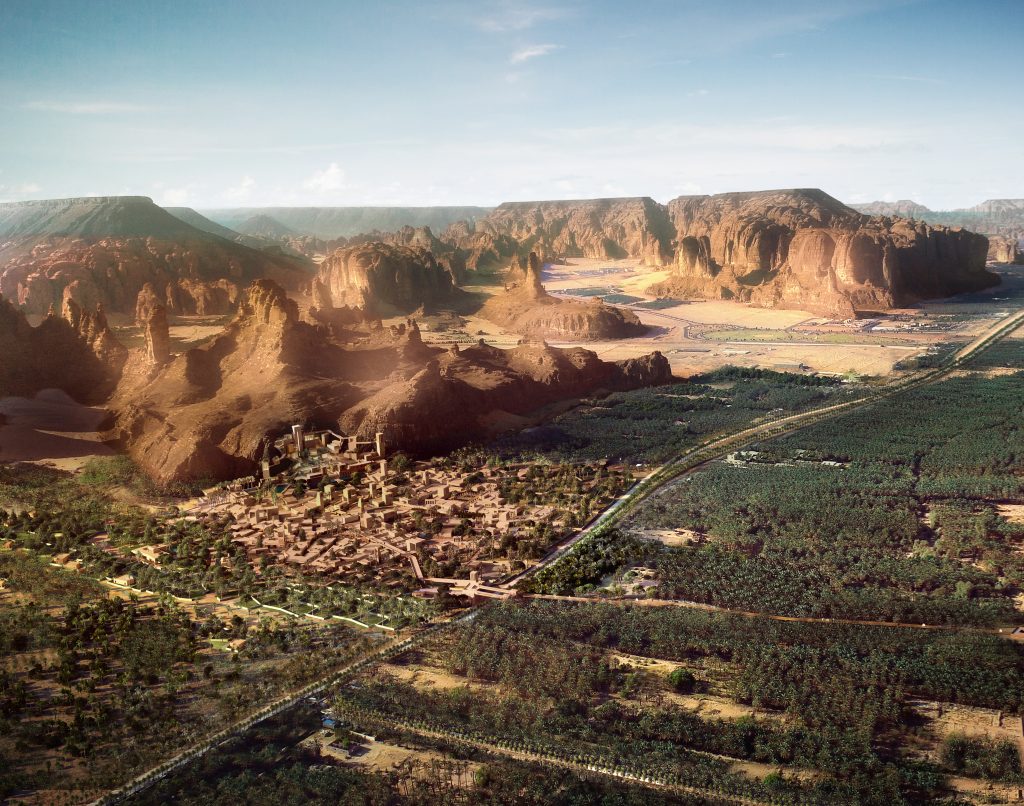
x=206 y=413
x=1002 y=249
x=528 y=309
x=383 y=278
x=597 y=228
x=804 y=249
x=75 y=352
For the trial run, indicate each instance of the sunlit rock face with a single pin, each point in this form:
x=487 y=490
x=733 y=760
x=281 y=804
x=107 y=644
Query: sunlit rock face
x=804 y=249
x=383 y=277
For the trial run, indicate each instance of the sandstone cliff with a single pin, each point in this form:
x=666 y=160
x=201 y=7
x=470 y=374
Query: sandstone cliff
x=526 y=308
x=1002 y=249
x=205 y=414
x=804 y=249
x=384 y=278
x=104 y=250
x=597 y=228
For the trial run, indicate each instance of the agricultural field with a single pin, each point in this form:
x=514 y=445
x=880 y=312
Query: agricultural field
x=773 y=711
x=651 y=425
x=889 y=513
x=85 y=674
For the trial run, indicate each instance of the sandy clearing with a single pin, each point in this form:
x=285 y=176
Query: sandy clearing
x=672 y=537
x=50 y=429
x=423 y=677
x=1014 y=513
x=945 y=719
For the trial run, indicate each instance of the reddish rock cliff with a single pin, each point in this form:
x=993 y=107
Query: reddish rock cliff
x=598 y=228
x=384 y=278
x=804 y=249
x=75 y=352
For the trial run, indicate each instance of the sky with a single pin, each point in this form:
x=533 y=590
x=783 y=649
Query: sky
x=227 y=103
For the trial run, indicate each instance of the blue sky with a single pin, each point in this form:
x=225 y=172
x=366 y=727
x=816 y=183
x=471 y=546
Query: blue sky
x=228 y=103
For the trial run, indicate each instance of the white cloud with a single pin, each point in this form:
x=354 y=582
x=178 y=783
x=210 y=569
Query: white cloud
x=18 y=192
x=516 y=16
x=242 y=191
x=85 y=107
x=698 y=93
x=330 y=178
x=532 y=52
x=175 y=197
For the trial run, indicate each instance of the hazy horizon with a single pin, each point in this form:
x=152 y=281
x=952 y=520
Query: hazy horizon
x=458 y=103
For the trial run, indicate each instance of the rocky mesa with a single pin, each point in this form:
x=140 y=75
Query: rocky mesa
x=804 y=249
x=597 y=228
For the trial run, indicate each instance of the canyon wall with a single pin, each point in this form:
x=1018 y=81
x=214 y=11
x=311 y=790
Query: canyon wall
x=804 y=249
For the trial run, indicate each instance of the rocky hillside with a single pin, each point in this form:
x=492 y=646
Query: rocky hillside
x=338 y=222
x=262 y=225
x=904 y=208
x=598 y=228
x=201 y=222
x=383 y=278
x=105 y=250
x=207 y=413
x=1002 y=217
x=805 y=249
x=526 y=308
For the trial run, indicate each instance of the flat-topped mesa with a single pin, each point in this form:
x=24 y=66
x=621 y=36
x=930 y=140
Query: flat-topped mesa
x=384 y=278
x=804 y=249
x=105 y=250
x=594 y=228
x=528 y=309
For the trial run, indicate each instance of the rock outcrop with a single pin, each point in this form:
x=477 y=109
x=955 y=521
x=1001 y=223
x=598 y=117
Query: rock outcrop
x=384 y=278
x=1004 y=250
x=526 y=308
x=104 y=251
x=470 y=386
x=206 y=413
x=596 y=228
x=158 y=336
x=804 y=249
x=75 y=352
